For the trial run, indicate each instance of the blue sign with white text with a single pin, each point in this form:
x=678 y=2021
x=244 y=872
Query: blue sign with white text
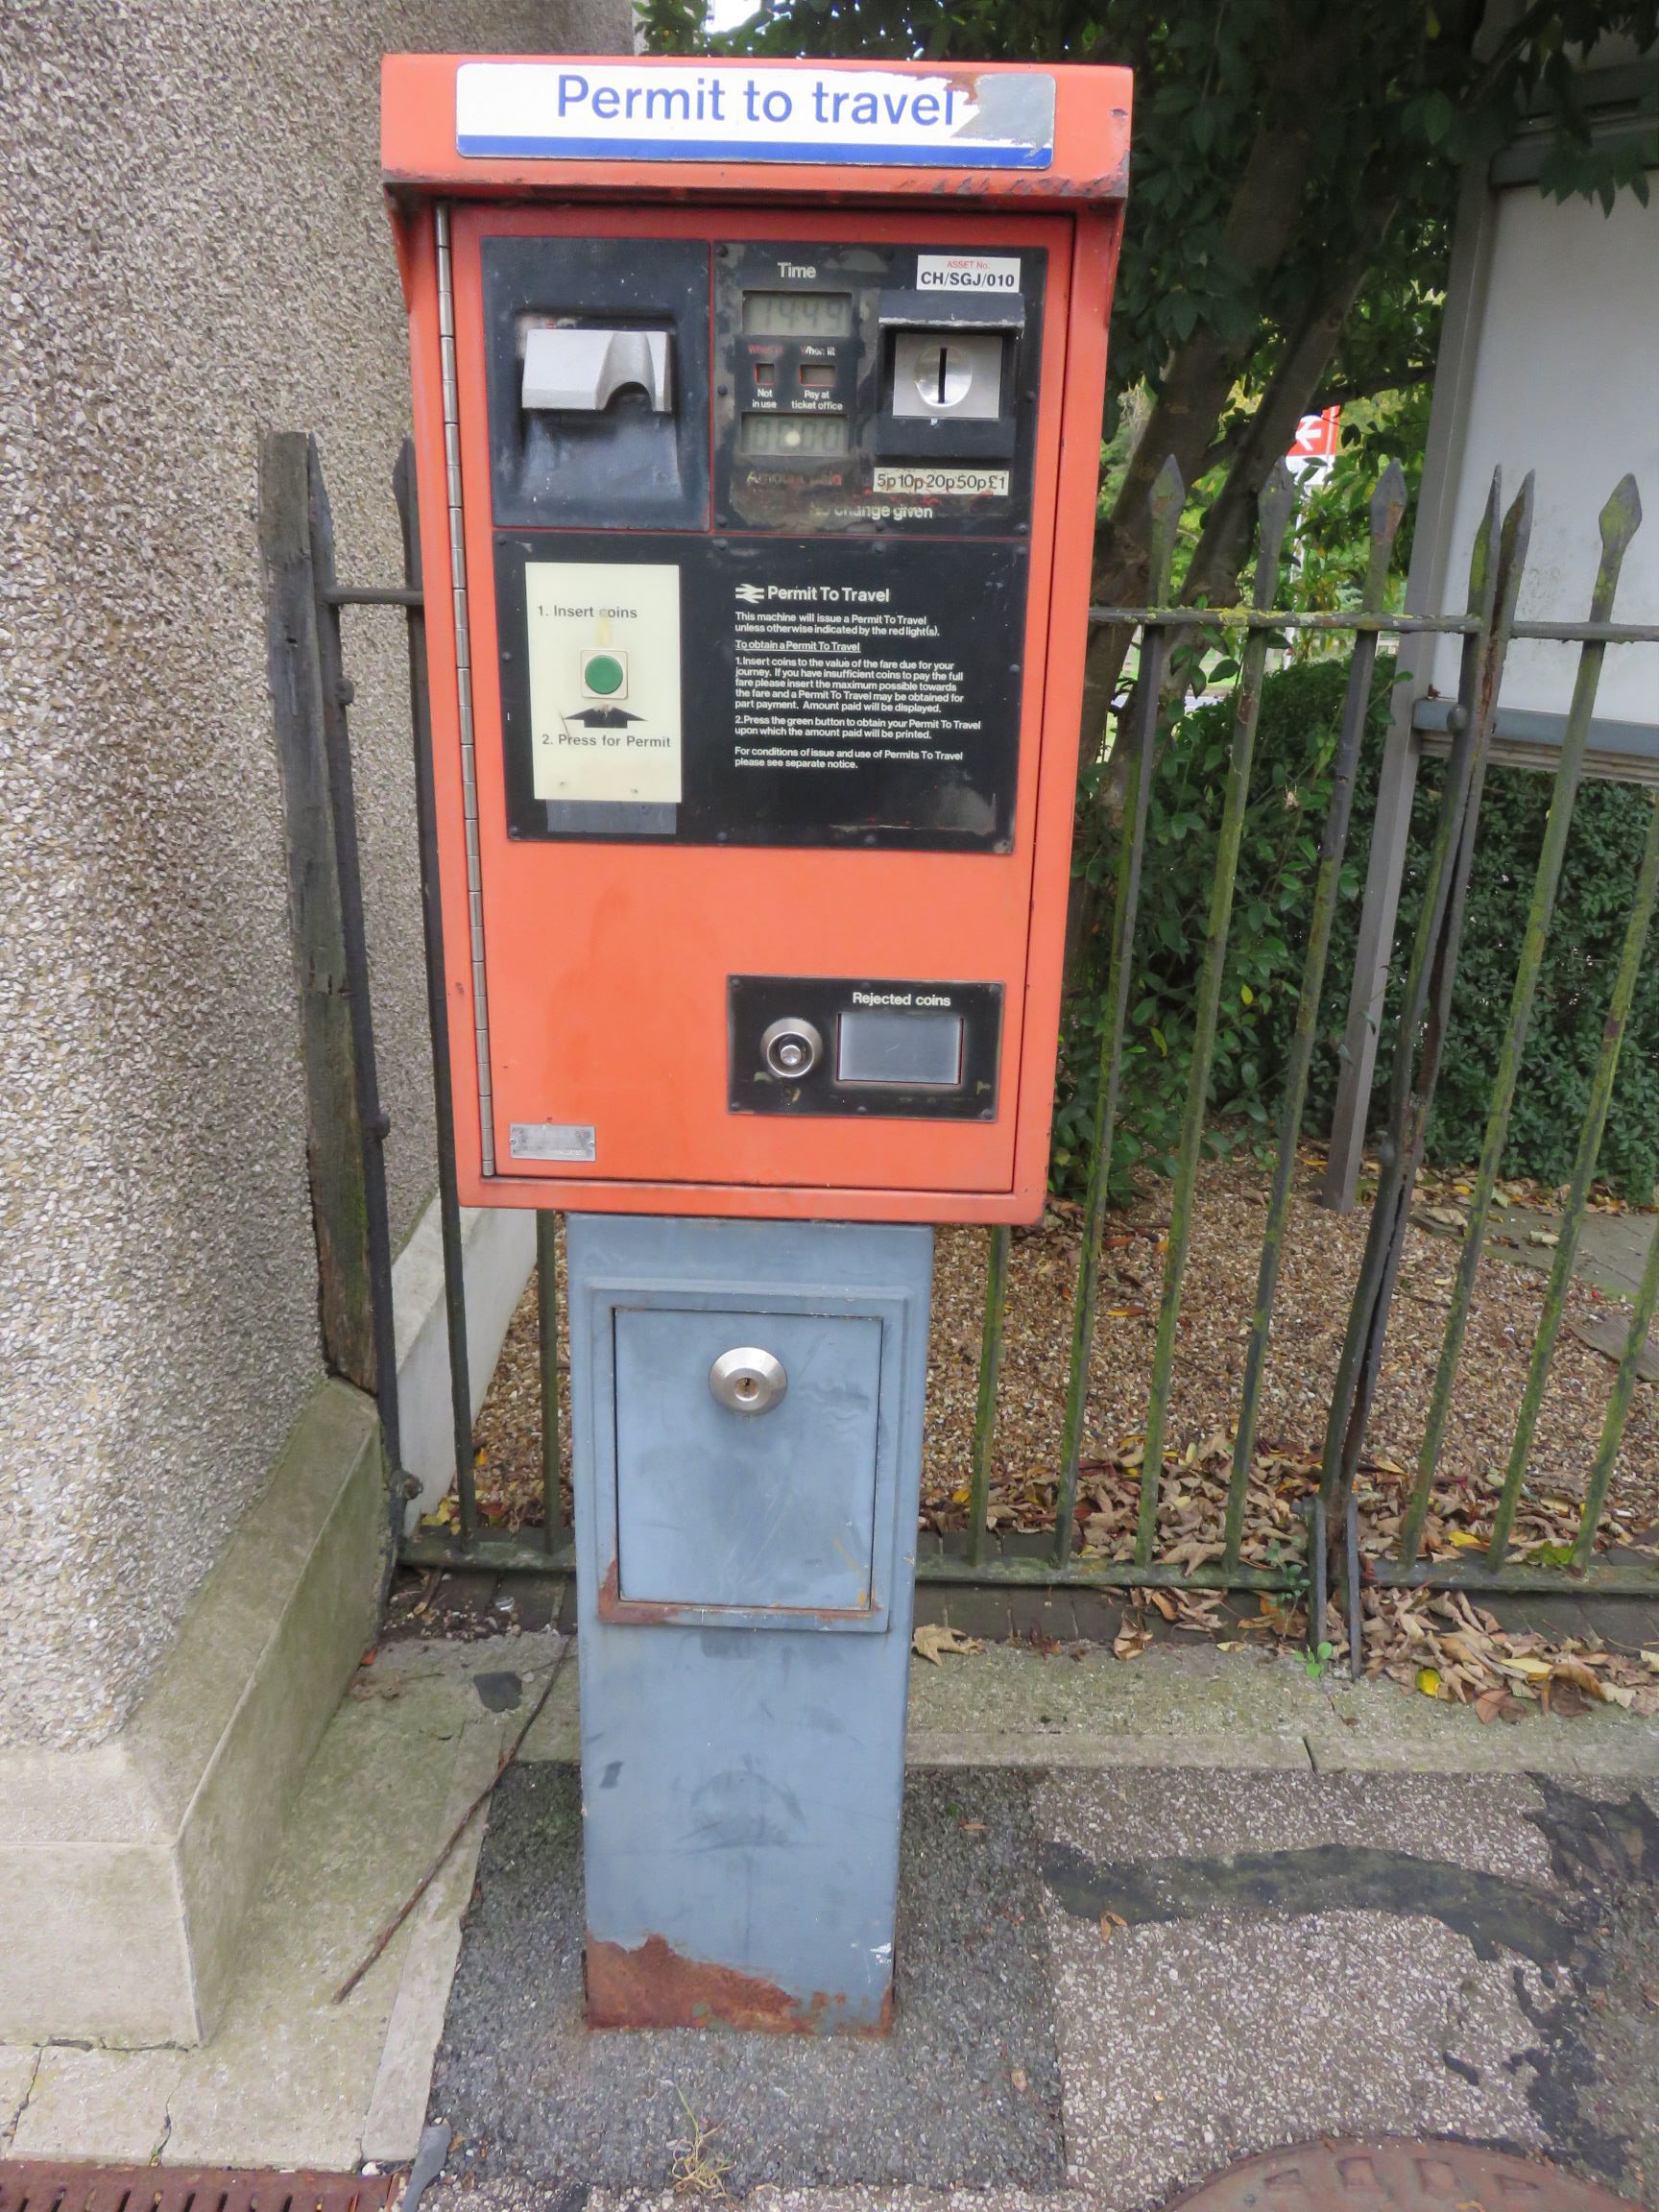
x=632 y=111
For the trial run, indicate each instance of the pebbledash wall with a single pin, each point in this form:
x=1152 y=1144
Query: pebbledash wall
x=195 y=251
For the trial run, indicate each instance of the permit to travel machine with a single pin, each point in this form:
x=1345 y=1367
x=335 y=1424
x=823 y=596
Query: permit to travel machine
x=757 y=414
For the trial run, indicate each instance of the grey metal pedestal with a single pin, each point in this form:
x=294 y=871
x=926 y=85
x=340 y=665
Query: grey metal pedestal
x=746 y=1402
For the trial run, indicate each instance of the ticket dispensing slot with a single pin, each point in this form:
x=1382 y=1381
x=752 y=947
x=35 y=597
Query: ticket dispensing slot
x=588 y=354
x=585 y=369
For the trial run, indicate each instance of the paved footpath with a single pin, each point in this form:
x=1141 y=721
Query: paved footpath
x=1155 y=1917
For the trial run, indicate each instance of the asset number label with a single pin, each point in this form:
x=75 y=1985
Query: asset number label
x=968 y=271
x=941 y=483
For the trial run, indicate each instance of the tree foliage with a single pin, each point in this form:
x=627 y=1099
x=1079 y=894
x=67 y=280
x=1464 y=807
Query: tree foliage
x=1290 y=786
x=1295 y=172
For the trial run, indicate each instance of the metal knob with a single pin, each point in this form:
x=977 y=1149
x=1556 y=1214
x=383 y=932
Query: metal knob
x=747 y=1380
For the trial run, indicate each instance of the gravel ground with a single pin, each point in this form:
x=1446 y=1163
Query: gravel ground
x=1248 y=1962
x=1321 y=1264
x=1212 y=1964
x=966 y=2089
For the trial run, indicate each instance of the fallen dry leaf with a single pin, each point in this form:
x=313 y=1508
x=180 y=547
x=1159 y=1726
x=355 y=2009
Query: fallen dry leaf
x=929 y=1641
x=1402 y=1631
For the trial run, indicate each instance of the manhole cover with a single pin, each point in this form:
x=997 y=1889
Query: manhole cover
x=52 y=2187
x=1395 y=2176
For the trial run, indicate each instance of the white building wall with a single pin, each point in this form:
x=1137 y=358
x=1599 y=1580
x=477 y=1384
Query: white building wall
x=1566 y=382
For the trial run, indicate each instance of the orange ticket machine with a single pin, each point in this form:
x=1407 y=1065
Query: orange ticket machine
x=757 y=420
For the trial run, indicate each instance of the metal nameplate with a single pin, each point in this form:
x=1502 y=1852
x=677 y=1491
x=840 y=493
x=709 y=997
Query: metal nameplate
x=551 y=1141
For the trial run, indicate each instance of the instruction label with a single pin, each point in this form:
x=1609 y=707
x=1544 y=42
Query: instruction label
x=874 y=691
x=763 y=690
x=603 y=649
x=922 y=481
x=834 y=687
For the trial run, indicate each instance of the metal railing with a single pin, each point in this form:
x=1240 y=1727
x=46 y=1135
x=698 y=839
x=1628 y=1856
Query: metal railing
x=1333 y=1555
x=1487 y=629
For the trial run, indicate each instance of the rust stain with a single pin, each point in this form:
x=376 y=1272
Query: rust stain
x=656 y=1986
x=619 y=1611
x=632 y=1612
x=39 y=2185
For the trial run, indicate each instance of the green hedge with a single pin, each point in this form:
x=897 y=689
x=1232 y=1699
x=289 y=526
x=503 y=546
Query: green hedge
x=1300 y=708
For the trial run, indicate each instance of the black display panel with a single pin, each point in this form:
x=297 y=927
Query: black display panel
x=762 y=515
x=768 y=692
x=800 y=327
x=821 y=1045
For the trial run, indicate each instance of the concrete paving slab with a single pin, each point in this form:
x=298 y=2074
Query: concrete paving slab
x=1187 y=1706
x=1185 y=2046
x=1379 y=1728
x=17 y=2068
x=108 y=2106
x=1475 y=1821
x=1610 y=1336
x=1175 y=1705
x=461 y=1659
x=1202 y=1707
x=1193 y=1706
x=289 y=2077
x=397 y=2105
x=1612 y=1247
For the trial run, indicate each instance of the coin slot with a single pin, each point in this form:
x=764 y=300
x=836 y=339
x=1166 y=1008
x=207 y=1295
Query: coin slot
x=948 y=375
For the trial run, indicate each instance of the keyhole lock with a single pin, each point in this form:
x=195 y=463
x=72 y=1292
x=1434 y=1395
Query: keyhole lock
x=791 y=1048
x=747 y=1380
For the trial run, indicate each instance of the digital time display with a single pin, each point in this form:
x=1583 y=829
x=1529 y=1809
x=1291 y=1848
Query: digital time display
x=793 y=437
x=796 y=314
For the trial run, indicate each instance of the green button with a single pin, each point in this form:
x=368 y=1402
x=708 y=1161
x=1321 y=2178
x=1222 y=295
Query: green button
x=604 y=674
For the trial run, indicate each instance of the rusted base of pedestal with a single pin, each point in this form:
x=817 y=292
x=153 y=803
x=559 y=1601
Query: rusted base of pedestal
x=656 y=1987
